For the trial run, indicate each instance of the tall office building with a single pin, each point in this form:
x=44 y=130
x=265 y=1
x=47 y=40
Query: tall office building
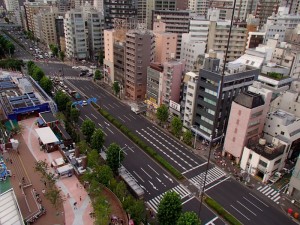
x=175 y=22
x=140 y=45
x=237 y=78
x=32 y=8
x=121 y=9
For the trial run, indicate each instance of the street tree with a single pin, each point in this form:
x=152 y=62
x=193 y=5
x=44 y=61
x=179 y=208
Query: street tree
x=61 y=99
x=10 y=48
x=74 y=114
x=116 y=88
x=38 y=73
x=6 y=20
x=87 y=128
x=188 y=218
x=97 y=140
x=93 y=158
x=54 y=49
x=98 y=75
x=46 y=84
x=62 y=55
x=188 y=137
x=162 y=113
x=103 y=174
x=176 y=126
x=115 y=156
x=169 y=209
x=54 y=196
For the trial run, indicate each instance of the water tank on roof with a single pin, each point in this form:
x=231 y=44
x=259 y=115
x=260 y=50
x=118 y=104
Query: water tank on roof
x=262 y=141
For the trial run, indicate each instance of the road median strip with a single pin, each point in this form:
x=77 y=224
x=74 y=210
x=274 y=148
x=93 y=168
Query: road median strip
x=150 y=151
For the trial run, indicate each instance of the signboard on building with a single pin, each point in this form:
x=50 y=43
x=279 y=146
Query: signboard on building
x=174 y=105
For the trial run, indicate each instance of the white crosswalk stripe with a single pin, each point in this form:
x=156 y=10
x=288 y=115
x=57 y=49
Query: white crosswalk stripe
x=213 y=174
x=270 y=193
x=77 y=78
x=179 y=189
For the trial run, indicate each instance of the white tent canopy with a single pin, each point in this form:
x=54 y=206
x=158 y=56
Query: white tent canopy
x=46 y=135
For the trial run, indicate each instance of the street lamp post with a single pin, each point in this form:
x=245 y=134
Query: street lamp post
x=195 y=140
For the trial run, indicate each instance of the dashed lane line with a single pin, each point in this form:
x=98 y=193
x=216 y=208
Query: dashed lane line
x=239 y=212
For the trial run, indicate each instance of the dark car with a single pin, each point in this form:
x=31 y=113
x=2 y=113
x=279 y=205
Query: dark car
x=90 y=74
x=82 y=74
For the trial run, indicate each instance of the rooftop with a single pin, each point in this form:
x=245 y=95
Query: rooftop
x=48 y=117
x=249 y=100
x=267 y=150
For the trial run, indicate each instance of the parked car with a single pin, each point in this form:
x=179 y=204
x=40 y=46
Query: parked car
x=75 y=67
x=82 y=74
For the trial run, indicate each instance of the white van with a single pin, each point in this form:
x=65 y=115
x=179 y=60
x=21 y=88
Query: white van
x=65 y=170
x=41 y=57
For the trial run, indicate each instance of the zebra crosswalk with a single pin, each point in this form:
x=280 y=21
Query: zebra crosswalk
x=270 y=193
x=179 y=189
x=213 y=174
x=77 y=78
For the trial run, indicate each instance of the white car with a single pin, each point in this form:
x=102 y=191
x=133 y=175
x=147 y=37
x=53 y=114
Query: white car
x=75 y=67
x=84 y=102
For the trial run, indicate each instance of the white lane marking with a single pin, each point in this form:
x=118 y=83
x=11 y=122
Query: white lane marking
x=100 y=125
x=153 y=169
x=129 y=148
x=187 y=200
x=132 y=116
x=87 y=117
x=259 y=200
x=105 y=106
x=110 y=106
x=246 y=208
x=116 y=104
x=109 y=130
x=81 y=118
x=155 y=188
x=252 y=204
x=217 y=183
x=93 y=115
x=170 y=179
x=146 y=173
x=121 y=119
x=194 y=168
x=138 y=176
x=127 y=118
x=107 y=123
x=240 y=212
x=212 y=221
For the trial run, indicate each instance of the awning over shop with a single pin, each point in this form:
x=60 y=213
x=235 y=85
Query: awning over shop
x=46 y=135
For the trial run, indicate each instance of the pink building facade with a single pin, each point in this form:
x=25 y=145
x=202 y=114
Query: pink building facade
x=246 y=120
x=165 y=46
x=172 y=79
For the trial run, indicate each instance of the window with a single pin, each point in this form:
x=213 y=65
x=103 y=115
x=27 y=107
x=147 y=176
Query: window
x=240 y=112
x=277 y=161
x=235 y=130
x=250 y=156
x=262 y=163
x=237 y=121
x=233 y=139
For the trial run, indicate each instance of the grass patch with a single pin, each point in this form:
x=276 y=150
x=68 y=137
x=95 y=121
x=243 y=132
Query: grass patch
x=140 y=143
x=221 y=211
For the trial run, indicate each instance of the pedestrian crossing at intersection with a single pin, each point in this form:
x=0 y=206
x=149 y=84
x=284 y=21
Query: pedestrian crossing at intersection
x=179 y=189
x=270 y=193
x=213 y=174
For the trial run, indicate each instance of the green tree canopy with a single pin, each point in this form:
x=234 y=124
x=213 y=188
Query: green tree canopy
x=87 y=128
x=98 y=75
x=103 y=174
x=46 y=84
x=54 y=49
x=169 y=209
x=188 y=137
x=115 y=156
x=61 y=100
x=176 y=126
x=93 y=158
x=162 y=113
x=10 y=48
x=38 y=73
x=97 y=140
x=74 y=114
x=188 y=218
x=62 y=55
x=116 y=88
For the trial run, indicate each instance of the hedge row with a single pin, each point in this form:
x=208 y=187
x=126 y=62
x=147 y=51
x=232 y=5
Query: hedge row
x=140 y=143
x=222 y=212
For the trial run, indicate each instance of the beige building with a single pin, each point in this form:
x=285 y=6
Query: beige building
x=32 y=8
x=140 y=45
x=108 y=62
x=218 y=35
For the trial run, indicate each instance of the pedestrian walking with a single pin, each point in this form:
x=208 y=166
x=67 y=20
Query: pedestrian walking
x=45 y=183
x=43 y=191
x=20 y=184
x=75 y=205
x=80 y=198
x=11 y=162
x=23 y=180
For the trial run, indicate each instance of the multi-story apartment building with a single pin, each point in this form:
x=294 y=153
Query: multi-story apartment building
x=175 y=22
x=264 y=9
x=60 y=33
x=165 y=46
x=75 y=34
x=237 y=77
x=140 y=45
x=218 y=35
x=122 y=9
x=283 y=18
x=99 y=5
x=247 y=115
x=63 y=5
x=172 y=79
x=119 y=62
x=32 y=8
x=11 y=5
x=199 y=6
x=189 y=98
x=108 y=62
x=95 y=27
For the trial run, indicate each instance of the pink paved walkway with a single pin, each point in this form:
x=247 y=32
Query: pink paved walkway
x=71 y=185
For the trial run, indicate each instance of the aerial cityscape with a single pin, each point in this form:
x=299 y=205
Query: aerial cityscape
x=130 y=112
